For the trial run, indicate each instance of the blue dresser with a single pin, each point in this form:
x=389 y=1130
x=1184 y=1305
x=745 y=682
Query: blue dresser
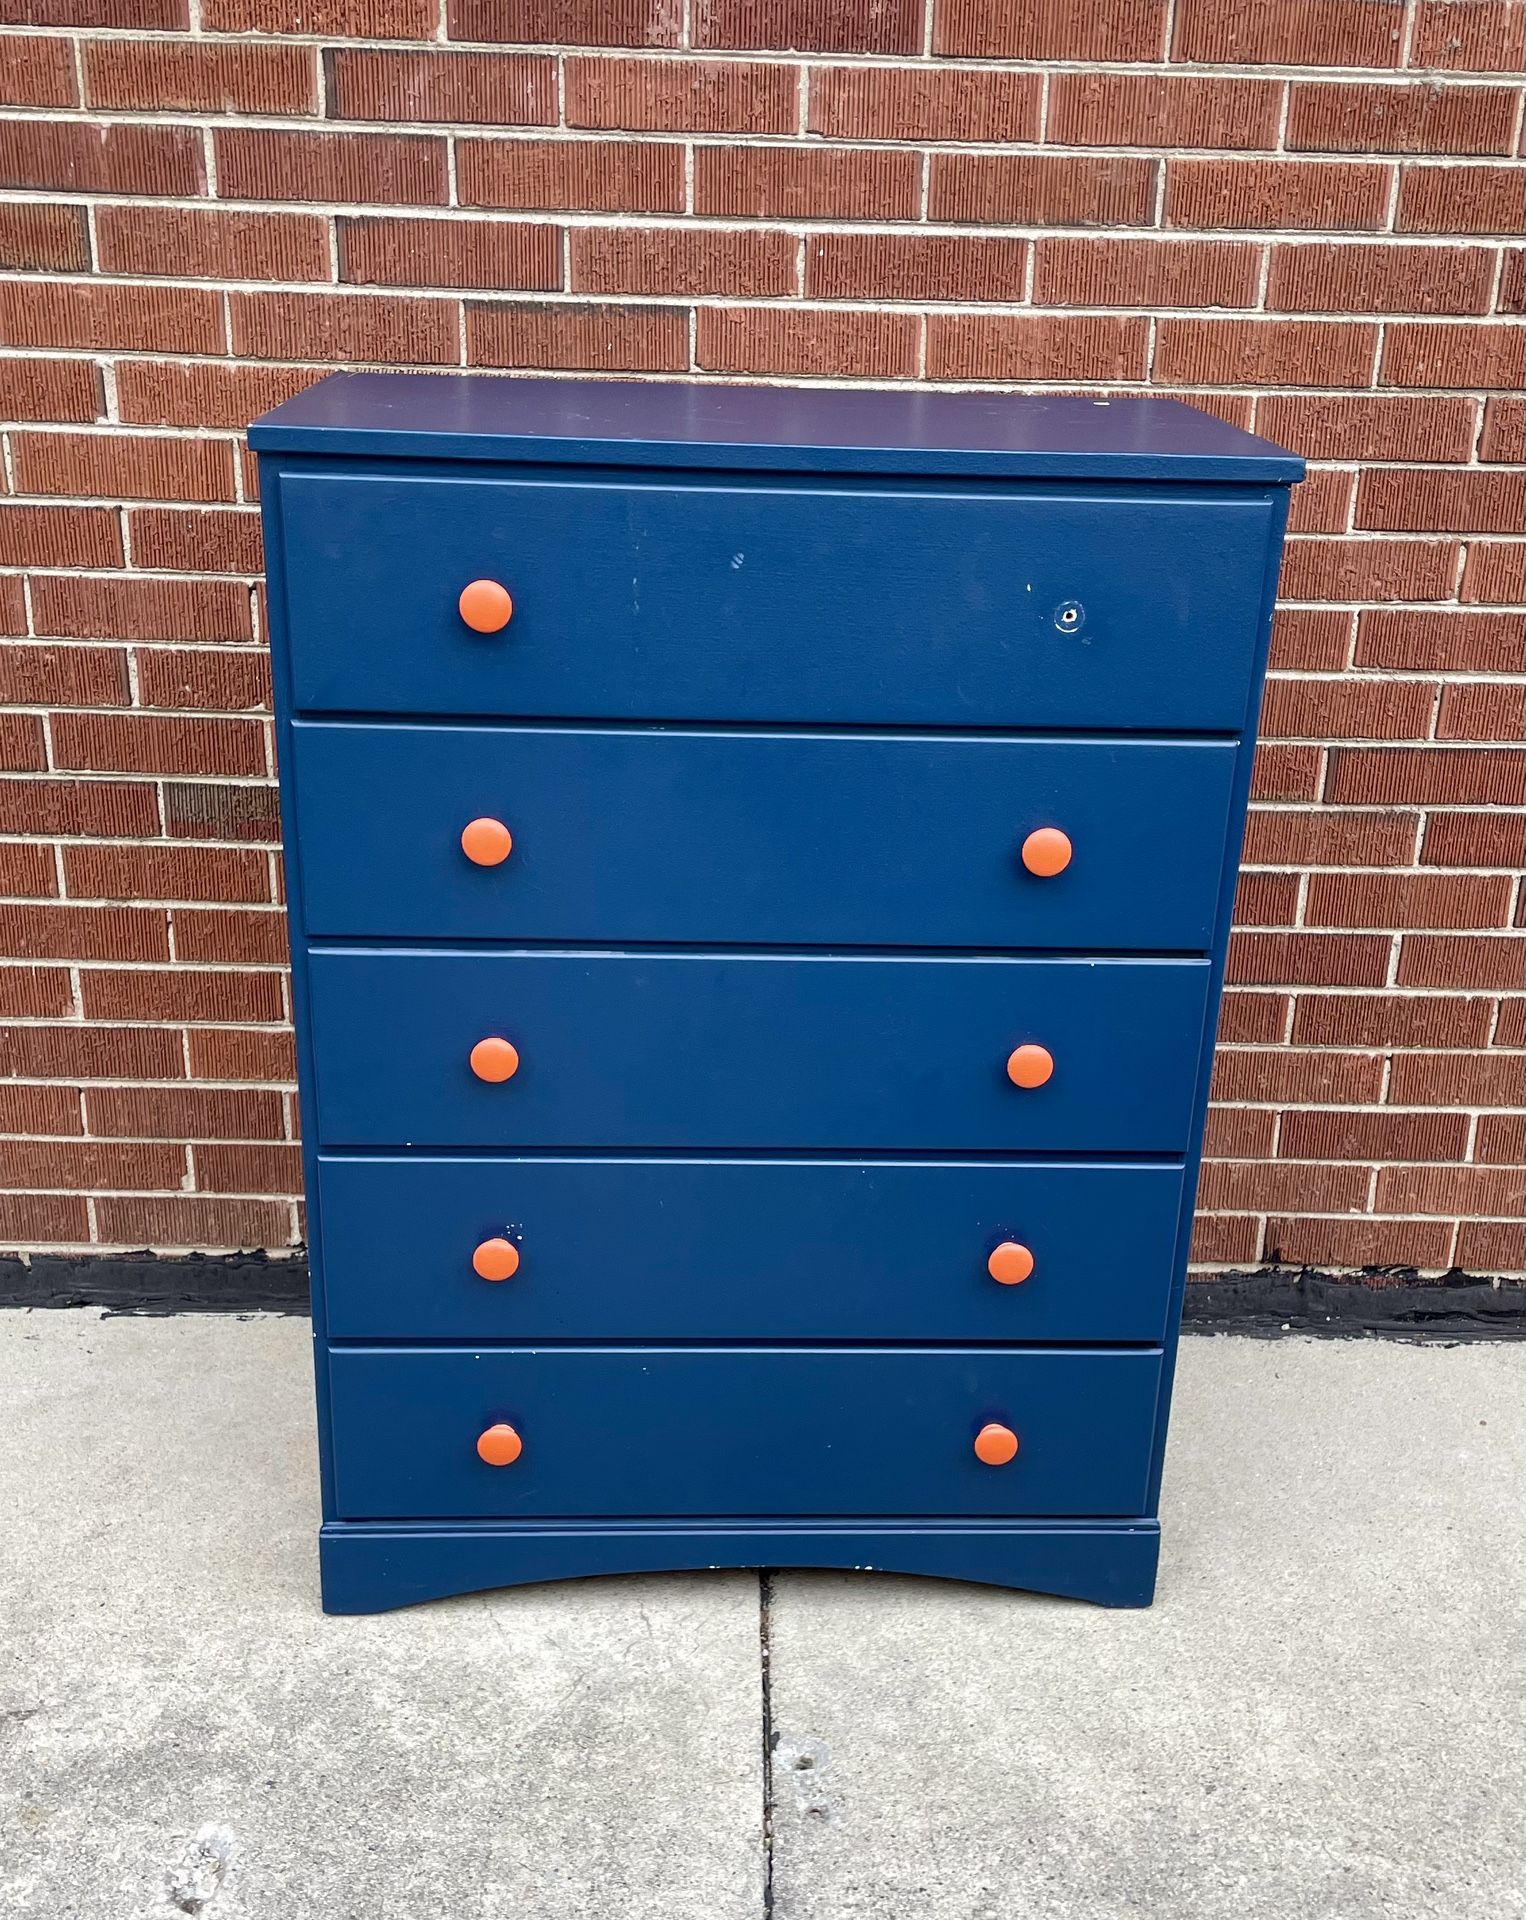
x=760 y=867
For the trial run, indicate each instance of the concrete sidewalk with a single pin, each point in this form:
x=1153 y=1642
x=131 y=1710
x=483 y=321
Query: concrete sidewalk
x=1320 y=1719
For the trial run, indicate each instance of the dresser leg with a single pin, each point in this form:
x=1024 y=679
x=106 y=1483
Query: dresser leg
x=373 y=1566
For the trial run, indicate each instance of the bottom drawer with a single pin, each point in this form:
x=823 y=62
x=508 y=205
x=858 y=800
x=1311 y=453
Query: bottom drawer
x=728 y=1431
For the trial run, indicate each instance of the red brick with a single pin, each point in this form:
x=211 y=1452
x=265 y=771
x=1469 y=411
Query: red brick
x=1265 y=1185
x=1482 y=711
x=1512 y=288
x=169 y=76
x=1407 y=900
x=153 y=743
x=1456 y=1080
x=1050 y=29
x=606 y=338
x=1316 y=639
x=683 y=96
x=1369 y=569
x=1469 y=36
x=78 y=156
x=817 y=183
x=248 y=1169
x=360 y=19
x=1493 y=573
x=1436 y=354
x=104 y=316
x=1420 y=117
x=33 y=993
x=906 y=103
x=39 y=72
x=1308 y=959
x=131 y=609
x=1488 y=839
x=1329 y=838
x=60 y=537
x=683 y=261
x=1322 y=502
x=1455 y=776
x=1457 y=962
x=1380 y=278
x=601 y=176
x=450 y=253
x=131 y=466
x=78 y=1052
x=181 y=993
x=1501 y=1138
x=166 y=873
x=212 y=245
x=1239 y=1133
x=1433 y=500
x=44 y=1110
x=44 y=676
x=847 y=26
x=159 y=393
x=230 y=934
x=193 y=811
x=1001 y=347
x=100 y=808
x=41 y=236
x=1502 y=437
x=1334 y=1134
x=343 y=327
x=1297 y=33
x=1363 y=427
x=191 y=1220
x=1279 y=1075
x=21 y=743
x=914 y=266
x=1491 y=1249
x=1459 y=200
x=1046 y=190
x=1443 y=642
x=1266 y=900
x=1253 y=1018
x=188 y=540
x=88 y=1166
x=1294 y=353
x=55 y=1219
x=583 y=23
x=264 y=163
x=1389 y=1020
x=235 y=680
x=1161 y=110
x=1073 y=272
x=85 y=933
x=466 y=89
x=1358 y=1243
x=53 y=390
x=1286 y=773
x=241 y=1053
x=27 y=871
x=1338 y=196
x=785 y=340
x=1347 y=710
x=1220 y=1240
x=143 y=15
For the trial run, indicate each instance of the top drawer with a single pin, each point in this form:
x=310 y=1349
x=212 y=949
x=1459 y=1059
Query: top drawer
x=662 y=597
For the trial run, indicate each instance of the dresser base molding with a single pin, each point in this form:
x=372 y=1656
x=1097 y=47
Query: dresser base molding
x=374 y=1566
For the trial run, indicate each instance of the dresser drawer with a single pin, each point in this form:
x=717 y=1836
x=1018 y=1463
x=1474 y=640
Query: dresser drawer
x=727 y=1431
x=706 y=1050
x=749 y=838
x=781 y=1249
x=724 y=598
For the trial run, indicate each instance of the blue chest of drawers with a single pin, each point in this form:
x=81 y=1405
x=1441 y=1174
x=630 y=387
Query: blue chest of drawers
x=760 y=864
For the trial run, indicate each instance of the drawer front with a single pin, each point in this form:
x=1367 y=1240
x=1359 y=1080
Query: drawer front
x=729 y=1431
x=709 y=599
x=703 y=1050
x=745 y=1249
x=759 y=839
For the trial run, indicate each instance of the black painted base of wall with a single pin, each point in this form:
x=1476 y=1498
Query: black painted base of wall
x=1275 y=1300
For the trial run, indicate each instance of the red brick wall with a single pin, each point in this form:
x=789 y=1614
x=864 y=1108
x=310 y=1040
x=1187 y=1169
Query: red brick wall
x=1302 y=214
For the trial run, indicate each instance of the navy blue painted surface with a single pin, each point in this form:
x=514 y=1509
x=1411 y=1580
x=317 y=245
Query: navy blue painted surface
x=674 y=598
x=664 y=1249
x=704 y=1050
x=666 y=1431
x=758 y=838
x=671 y=423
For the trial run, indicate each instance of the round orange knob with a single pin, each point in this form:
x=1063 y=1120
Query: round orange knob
x=501 y=1446
x=995 y=1445
x=485 y=606
x=496 y=1260
x=1047 y=851
x=495 y=1060
x=1010 y=1264
x=486 y=843
x=1029 y=1066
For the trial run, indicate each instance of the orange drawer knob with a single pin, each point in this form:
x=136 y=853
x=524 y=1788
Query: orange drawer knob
x=486 y=843
x=501 y=1446
x=995 y=1445
x=1029 y=1066
x=1047 y=852
x=495 y=1059
x=496 y=1260
x=1010 y=1264
x=485 y=606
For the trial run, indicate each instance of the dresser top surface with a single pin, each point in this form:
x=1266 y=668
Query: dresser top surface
x=905 y=430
